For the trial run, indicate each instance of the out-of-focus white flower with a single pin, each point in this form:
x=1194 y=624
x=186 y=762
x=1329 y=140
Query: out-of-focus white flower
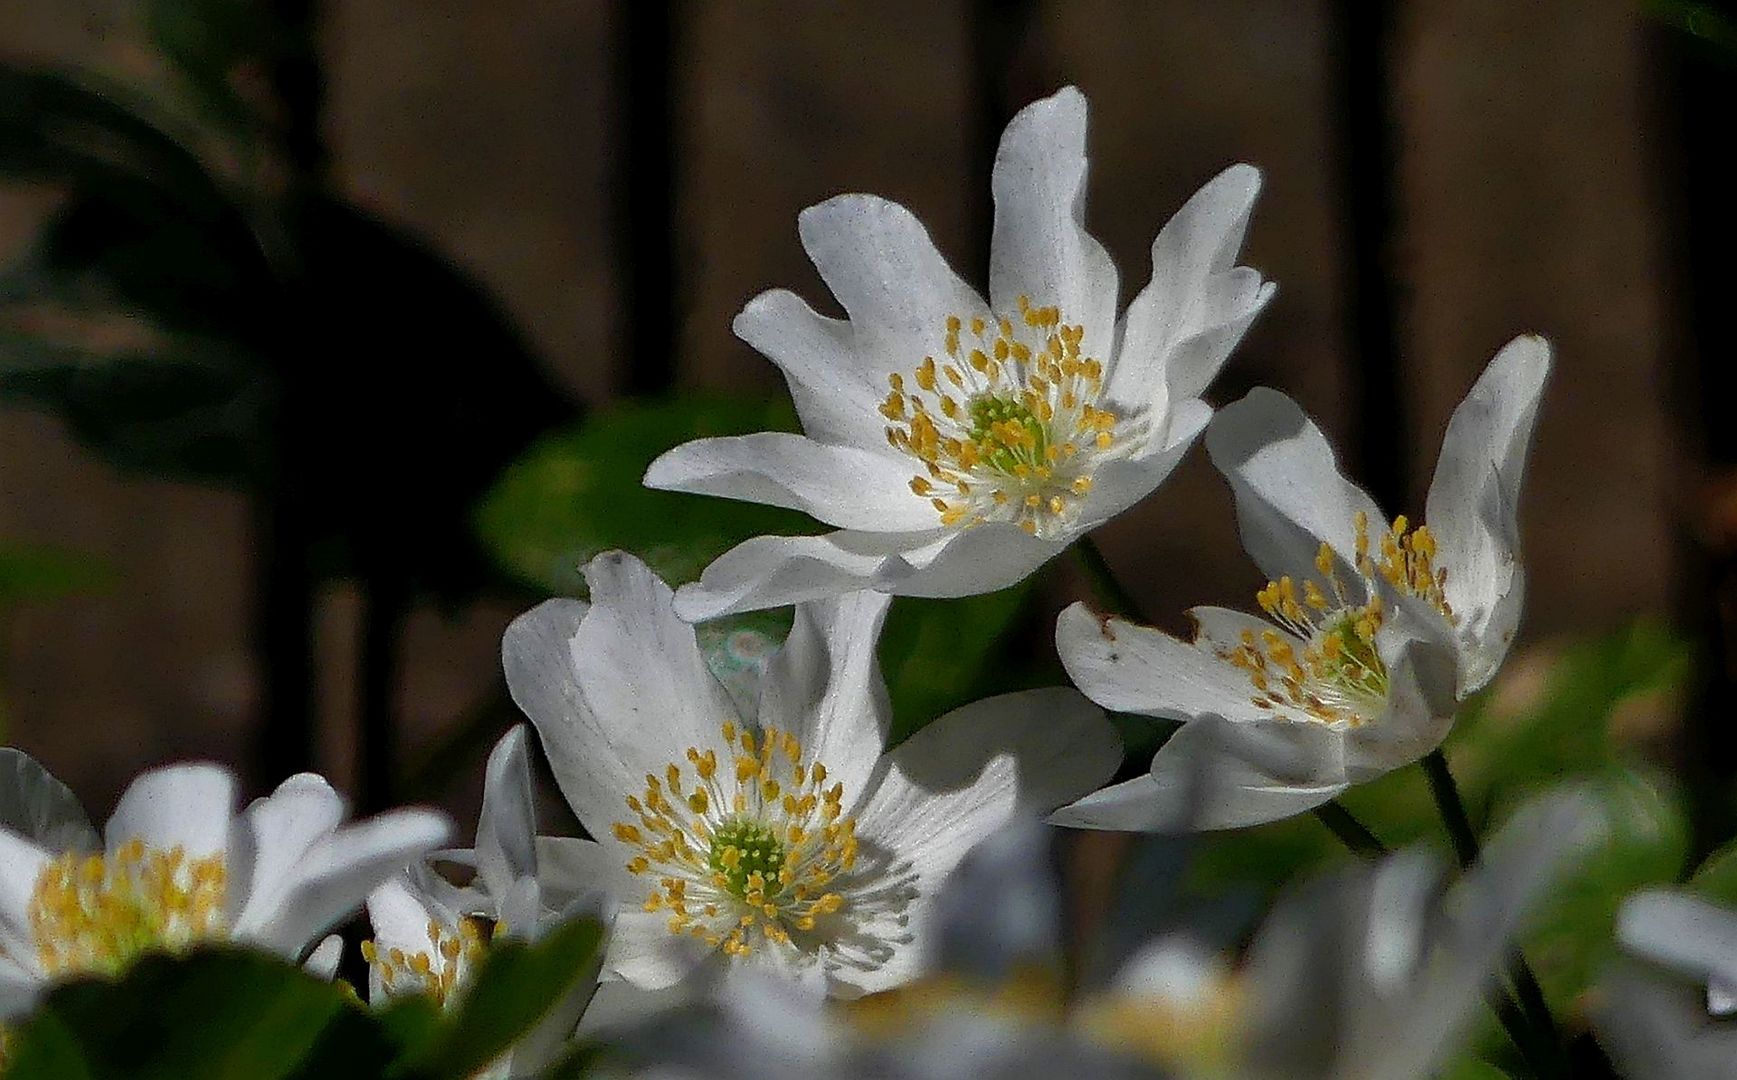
x=1369 y=974
x=767 y=1033
x=1669 y=1010
x=787 y=841
x=176 y=867
x=957 y=445
x=429 y=935
x=1370 y=635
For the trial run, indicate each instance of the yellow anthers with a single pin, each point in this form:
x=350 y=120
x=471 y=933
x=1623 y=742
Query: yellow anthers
x=1327 y=665
x=745 y=857
x=1016 y=431
x=437 y=971
x=94 y=914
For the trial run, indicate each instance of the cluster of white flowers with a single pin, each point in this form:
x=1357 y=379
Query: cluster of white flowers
x=758 y=849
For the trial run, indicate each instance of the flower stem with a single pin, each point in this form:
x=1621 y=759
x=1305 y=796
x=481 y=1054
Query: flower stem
x=1109 y=588
x=1352 y=833
x=1465 y=842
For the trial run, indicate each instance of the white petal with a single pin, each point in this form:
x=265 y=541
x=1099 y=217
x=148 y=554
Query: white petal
x=1041 y=249
x=969 y=562
x=336 y=876
x=1228 y=312
x=582 y=874
x=1473 y=506
x=506 y=829
x=18 y=993
x=642 y=673
x=1126 y=667
x=845 y=486
x=34 y=804
x=1220 y=629
x=1183 y=324
x=323 y=962
x=1216 y=774
x=1120 y=484
x=1520 y=866
x=619 y=1004
x=273 y=836
x=189 y=806
x=1422 y=699
x=772 y=571
x=399 y=916
x=1652 y=1027
x=877 y=258
x=1290 y=495
x=21 y=863
x=537 y=656
x=837 y=393
x=642 y=951
x=1682 y=932
x=968 y=773
x=620 y=695
x=825 y=685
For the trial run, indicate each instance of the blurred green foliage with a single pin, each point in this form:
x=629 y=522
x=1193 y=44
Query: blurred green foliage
x=577 y=492
x=230 y=1014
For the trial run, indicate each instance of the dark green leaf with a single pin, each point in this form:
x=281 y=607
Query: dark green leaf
x=515 y=987
x=191 y=411
x=940 y=654
x=209 y=42
x=578 y=492
x=221 y=1014
x=61 y=127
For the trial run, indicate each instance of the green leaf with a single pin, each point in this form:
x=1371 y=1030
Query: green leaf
x=207 y=41
x=31 y=574
x=190 y=411
x=578 y=492
x=1716 y=877
x=65 y=127
x=940 y=654
x=515 y=988
x=219 y=1014
x=1573 y=934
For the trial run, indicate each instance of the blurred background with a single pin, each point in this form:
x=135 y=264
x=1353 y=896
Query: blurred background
x=317 y=315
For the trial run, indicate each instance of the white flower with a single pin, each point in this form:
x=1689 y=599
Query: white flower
x=429 y=935
x=956 y=444
x=1667 y=1012
x=1372 y=632
x=177 y=866
x=1372 y=973
x=788 y=840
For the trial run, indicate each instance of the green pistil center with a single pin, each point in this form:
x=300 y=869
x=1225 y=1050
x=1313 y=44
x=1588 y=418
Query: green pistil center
x=741 y=849
x=1029 y=443
x=1352 y=661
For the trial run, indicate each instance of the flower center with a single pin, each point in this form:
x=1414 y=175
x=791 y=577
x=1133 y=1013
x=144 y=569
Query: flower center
x=746 y=854
x=1337 y=675
x=437 y=971
x=92 y=914
x=1008 y=427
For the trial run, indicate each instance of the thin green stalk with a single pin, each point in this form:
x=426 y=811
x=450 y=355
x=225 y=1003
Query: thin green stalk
x=1465 y=843
x=1352 y=833
x=1104 y=581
